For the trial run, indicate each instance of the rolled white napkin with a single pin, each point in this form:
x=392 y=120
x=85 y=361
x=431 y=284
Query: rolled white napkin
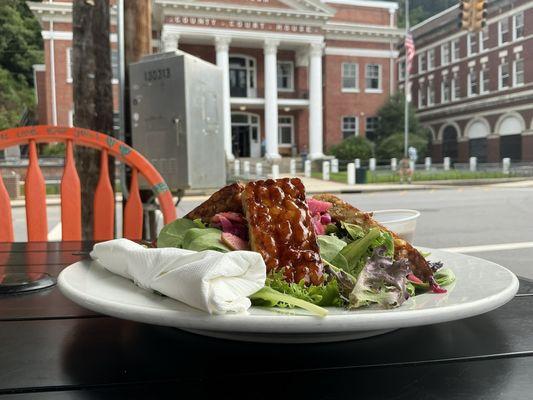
x=208 y=280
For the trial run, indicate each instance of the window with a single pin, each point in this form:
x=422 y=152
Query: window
x=350 y=126
x=350 y=77
x=472 y=43
x=401 y=70
x=472 y=82
x=114 y=64
x=456 y=54
x=445 y=90
x=445 y=53
x=456 y=88
x=242 y=76
x=285 y=76
x=484 y=39
x=71 y=118
x=518 y=71
x=373 y=78
x=518 y=26
x=370 y=127
x=431 y=93
x=69 y=64
x=503 y=31
x=503 y=74
x=431 y=59
x=484 y=80
x=421 y=62
x=285 y=130
x=421 y=96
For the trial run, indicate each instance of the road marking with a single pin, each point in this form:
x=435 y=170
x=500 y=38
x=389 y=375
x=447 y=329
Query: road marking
x=55 y=233
x=490 y=247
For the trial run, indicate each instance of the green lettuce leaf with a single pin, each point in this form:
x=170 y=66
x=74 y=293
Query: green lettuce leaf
x=199 y=239
x=268 y=297
x=354 y=231
x=354 y=255
x=173 y=233
x=330 y=246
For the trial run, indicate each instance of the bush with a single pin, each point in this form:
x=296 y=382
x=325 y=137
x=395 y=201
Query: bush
x=392 y=146
x=353 y=147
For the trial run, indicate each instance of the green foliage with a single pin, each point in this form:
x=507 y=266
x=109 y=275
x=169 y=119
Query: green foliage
x=20 y=48
x=53 y=150
x=391 y=118
x=393 y=146
x=353 y=147
x=419 y=10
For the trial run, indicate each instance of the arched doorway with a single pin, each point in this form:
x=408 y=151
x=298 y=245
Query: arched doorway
x=477 y=132
x=245 y=137
x=449 y=143
x=510 y=128
x=242 y=76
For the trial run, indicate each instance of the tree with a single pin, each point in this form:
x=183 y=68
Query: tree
x=392 y=146
x=353 y=147
x=92 y=91
x=20 y=47
x=419 y=10
x=391 y=118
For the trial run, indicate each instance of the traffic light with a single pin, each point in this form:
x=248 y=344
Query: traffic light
x=472 y=15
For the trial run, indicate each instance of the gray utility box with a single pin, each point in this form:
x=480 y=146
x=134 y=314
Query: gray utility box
x=176 y=118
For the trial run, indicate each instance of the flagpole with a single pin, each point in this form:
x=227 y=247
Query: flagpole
x=406 y=85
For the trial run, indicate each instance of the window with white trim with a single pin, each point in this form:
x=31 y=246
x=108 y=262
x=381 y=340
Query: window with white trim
x=421 y=62
x=71 y=117
x=445 y=53
x=373 y=77
x=503 y=31
x=445 y=89
x=350 y=76
x=401 y=70
x=471 y=42
x=431 y=93
x=484 y=79
x=456 y=87
x=456 y=50
x=350 y=126
x=518 y=25
x=421 y=96
x=69 y=64
x=471 y=82
x=518 y=71
x=285 y=76
x=503 y=74
x=285 y=130
x=484 y=38
x=371 y=125
x=431 y=59
x=114 y=64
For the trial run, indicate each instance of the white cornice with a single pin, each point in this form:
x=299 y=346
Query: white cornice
x=366 y=3
x=363 y=30
x=66 y=35
x=355 y=52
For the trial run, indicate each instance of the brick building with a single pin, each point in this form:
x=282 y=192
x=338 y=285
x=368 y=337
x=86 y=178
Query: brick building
x=300 y=74
x=474 y=91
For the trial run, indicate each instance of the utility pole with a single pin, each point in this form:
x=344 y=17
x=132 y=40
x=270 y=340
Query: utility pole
x=406 y=86
x=92 y=92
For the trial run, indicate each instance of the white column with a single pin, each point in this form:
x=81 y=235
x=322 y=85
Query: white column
x=170 y=41
x=271 y=99
x=222 y=48
x=315 y=102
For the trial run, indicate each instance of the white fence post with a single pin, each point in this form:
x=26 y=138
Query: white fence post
x=427 y=163
x=236 y=167
x=506 y=166
x=325 y=170
x=307 y=168
x=258 y=169
x=292 y=167
x=275 y=171
x=334 y=165
x=351 y=174
x=372 y=164
x=393 y=164
x=446 y=163
x=246 y=168
x=473 y=164
x=357 y=163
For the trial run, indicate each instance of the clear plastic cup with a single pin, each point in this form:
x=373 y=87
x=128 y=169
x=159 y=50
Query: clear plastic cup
x=400 y=221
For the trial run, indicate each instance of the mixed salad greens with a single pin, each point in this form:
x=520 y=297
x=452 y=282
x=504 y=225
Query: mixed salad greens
x=359 y=267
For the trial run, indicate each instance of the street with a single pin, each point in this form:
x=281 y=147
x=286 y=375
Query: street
x=450 y=218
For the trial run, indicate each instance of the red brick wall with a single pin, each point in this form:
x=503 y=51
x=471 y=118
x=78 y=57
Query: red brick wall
x=42 y=104
x=527 y=147
x=493 y=149
x=436 y=153
x=364 y=15
x=463 y=151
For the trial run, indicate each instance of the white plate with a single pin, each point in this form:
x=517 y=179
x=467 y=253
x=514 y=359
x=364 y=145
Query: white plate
x=481 y=286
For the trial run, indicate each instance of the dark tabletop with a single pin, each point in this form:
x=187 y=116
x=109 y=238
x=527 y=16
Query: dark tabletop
x=52 y=348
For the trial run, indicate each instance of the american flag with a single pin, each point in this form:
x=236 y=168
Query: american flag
x=409 y=55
